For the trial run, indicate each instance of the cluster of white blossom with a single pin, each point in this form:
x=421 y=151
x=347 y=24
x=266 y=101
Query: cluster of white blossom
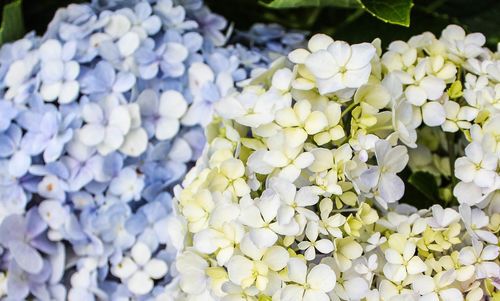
x=296 y=194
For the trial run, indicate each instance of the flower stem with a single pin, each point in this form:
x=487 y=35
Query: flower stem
x=345 y=210
x=381 y=128
x=450 y=141
x=348 y=109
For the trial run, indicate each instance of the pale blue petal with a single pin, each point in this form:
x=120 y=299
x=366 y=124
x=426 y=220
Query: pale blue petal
x=26 y=256
x=109 y=51
x=13 y=221
x=29 y=120
x=160 y=150
x=154 y=211
x=53 y=150
x=57 y=261
x=19 y=164
x=7 y=146
x=58 y=169
x=49 y=123
x=198 y=113
x=124 y=82
x=145 y=56
x=15 y=133
x=35 y=225
x=172 y=70
x=33 y=143
x=43 y=244
x=148 y=102
x=192 y=41
x=17 y=286
x=148 y=71
x=69 y=50
x=52 y=71
x=143 y=10
x=136 y=223
x=152 y=25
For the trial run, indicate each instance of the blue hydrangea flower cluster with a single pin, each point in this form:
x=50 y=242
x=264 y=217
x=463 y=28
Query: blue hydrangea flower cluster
x=100 y=118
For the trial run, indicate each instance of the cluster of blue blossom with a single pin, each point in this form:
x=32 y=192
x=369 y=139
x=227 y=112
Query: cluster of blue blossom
x=99 y=119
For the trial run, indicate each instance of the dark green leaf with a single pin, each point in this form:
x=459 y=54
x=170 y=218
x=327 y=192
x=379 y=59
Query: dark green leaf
x=391 y=11
x=12 y=22
x=426 y=184
x=309 y=3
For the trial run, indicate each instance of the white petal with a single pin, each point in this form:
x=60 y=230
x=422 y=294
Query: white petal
x=298 y=56
x=128 y=43
x=490 y=252
x=172 y=104
x=92 y=113
x=285 y=214
x=392 y=256
x=205 y=241
x=239 y=268
x=433 y=114
x=250 y=216
x=140 y=283
x=292 y=292
x=465 y=170
x=485 y=178
x=120 y=118
x=297 y=270
x=275 y=158
x=325 y=246
x=356 y=78
x=361 y=55
x=370 y=177
x=156 y=268
x=416 y=265
x=433 y=87
x=50 y=92
x=282 y=78
x=322 y=278
x=315 y=122
x=140 y=253
x=113 y=137
x=276 y=258
x=135 y=143
x=423 y=284
x=91 y=134
x=391 y=187
x=263 y=237
x=123 y=270
x=321 y=64
x=166 y=128
x=415 y=95
x=341 y=52
x=313 y=295
x=69 y=91
x=395 y=272
x=319 y=41
x=451 y=294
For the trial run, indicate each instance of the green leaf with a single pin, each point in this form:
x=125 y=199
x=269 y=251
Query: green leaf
x=426 y=184
x=391 y=11
x=309 y=3
x=12 y=22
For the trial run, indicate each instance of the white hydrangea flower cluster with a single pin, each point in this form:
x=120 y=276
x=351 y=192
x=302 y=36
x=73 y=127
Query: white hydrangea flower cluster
x=296 y=196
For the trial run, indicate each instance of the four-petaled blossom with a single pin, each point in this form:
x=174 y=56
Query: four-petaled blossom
x=308 y=285
x=139 y=270
x=341 y=66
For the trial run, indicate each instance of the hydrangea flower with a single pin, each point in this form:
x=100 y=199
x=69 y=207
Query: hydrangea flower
x=296 y=195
